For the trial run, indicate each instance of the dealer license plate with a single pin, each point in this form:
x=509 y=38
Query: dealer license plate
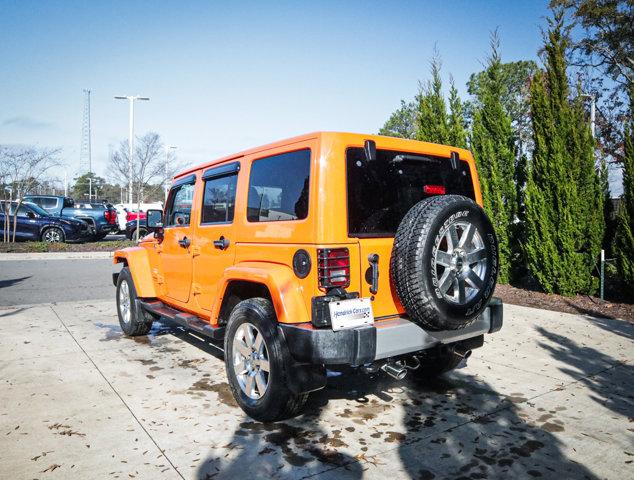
x=351 y=313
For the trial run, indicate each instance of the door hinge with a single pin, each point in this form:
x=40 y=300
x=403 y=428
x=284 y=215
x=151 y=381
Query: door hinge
x=195 y=251
x=196 y=289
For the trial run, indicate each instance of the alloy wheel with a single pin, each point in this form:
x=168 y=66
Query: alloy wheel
x=124 y=302
x=52 y=236
x=251 y=361
x=460 y=261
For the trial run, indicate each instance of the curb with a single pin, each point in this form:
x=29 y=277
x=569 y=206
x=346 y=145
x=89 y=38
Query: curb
x=56 y=256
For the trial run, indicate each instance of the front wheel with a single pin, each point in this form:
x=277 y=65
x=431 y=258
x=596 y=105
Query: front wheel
x=256 y=363
x=138 y=234
x=53 y=235
x=132 y=318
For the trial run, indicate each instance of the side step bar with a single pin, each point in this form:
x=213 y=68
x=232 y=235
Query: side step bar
x=186 y=320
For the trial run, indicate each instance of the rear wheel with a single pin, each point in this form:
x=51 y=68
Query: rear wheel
x=132 y=318
x=256 y=363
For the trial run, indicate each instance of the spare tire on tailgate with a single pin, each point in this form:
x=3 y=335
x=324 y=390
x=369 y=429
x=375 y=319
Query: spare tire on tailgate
x=445 y=262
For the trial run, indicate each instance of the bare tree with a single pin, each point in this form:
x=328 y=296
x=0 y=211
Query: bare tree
x=21 y=169
x=149 y=164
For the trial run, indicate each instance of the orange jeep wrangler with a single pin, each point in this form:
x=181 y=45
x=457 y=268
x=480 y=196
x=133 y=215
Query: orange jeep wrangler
x=326 y=249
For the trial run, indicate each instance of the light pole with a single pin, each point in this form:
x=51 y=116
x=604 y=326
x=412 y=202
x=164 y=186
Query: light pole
x=130 y=99
x=167 y=154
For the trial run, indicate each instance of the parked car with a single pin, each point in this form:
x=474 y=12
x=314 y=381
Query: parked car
x=123 y=209
x=101 y=218
x=132 y=216
x=36 y=224
x=131 y=227
x=325 y=249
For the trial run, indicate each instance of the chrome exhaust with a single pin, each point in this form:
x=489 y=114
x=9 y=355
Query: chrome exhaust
x=395 y=370
x=461 y=351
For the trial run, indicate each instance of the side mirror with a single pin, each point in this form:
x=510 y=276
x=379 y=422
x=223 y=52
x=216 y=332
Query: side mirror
x=30 y=215
x=154 y=218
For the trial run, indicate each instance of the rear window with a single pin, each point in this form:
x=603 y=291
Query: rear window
x=381 y=192
x=278 y=187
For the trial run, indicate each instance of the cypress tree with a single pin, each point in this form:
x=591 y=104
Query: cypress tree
x=432 y=110
x=563 y=201
x=624 y=238
x=457 y=131
x=492 y=144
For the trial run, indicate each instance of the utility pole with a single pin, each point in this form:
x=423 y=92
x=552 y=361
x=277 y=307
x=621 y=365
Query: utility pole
x=130 y=99
x=167 y=179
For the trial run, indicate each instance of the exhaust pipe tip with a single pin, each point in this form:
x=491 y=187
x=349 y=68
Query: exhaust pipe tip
x=394 y=370
x=461 y=351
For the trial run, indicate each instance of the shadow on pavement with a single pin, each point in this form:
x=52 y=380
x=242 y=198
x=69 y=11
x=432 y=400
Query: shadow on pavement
x=609 y=380
x=12 y=281
x=454 y=427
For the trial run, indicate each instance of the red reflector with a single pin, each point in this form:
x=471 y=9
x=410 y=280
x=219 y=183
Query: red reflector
x=434 y=190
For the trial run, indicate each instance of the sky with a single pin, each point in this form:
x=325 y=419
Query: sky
x=225 y=76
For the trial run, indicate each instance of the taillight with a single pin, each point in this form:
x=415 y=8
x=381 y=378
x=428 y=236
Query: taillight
x=333 y=267
x=434 y=190
x=110 y=216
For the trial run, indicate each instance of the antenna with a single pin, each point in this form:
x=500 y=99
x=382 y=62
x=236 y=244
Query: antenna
x=85 y=159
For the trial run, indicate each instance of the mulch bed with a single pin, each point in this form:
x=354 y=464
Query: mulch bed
x=40 y=247
x=579 y=304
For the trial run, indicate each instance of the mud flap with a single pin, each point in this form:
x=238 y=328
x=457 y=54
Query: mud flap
x=304 y=378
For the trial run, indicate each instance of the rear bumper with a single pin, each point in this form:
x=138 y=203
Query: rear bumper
x=386 y=338
x=108 y=228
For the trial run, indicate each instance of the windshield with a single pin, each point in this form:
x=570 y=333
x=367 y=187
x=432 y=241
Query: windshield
x=381 y=192
x=37 y=209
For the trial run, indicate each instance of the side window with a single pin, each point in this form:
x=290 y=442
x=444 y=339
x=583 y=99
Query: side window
x=278 y=187
x=22 y=211
x=219 y=200
x=179 y=206
x=48 y=203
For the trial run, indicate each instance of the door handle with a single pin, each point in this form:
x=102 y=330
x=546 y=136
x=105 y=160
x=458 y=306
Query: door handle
x=185 y=242
x=373 y=258
x=222 y=243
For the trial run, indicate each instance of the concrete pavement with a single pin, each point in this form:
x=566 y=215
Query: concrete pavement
x=550 y=396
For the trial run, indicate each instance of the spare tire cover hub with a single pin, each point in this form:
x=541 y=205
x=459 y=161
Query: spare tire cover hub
x=459 y=262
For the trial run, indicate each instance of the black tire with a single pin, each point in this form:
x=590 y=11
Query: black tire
x=53 y=235
x=99 y=236
x=421 y=283
x=277 y=402
x=137 y=321
x=142 y=233
x=436 y=366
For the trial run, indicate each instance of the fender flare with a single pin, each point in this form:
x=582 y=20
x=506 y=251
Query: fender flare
x=138 y=262
x=281 y=282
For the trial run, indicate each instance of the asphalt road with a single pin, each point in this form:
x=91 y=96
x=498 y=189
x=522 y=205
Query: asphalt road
x=47 y=281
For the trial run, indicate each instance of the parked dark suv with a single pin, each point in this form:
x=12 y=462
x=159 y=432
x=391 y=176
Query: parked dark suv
x=36 y=224
x=102 y=219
